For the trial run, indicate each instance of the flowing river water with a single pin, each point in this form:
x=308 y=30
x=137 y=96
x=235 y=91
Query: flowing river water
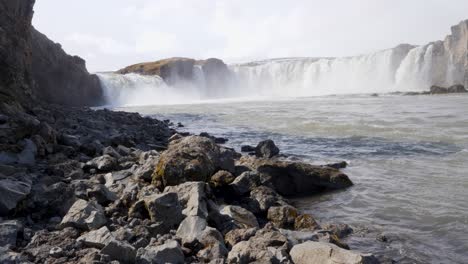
x=407 y=155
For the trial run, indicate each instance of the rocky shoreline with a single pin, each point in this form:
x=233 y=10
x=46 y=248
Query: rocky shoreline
x=97 y=186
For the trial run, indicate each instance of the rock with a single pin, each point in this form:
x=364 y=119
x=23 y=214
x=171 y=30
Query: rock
x=297 y=178
x=164 y=208
x=56 y=252
x=221 y=178
x=322 y=253
x=338 y=165
x=245 y=182
x=97 y=238
x=192 y=196
x=265 y=197
x=237 y=235
x=8 y=233
x=191 y=158
x=169 y=252
x=9 y=257
x=191 y=229
x=266 y=246
x=101 y=194
x=266 y=149
x=458 y=88
x=305 y=222
x=242 y=217
x=340 y=230
x=282 y=216
x=84 y=215
x=12 y=192
x=146 y=170
x=103 y=163
x=120 y=250
x=213 y=246
x=247 y=148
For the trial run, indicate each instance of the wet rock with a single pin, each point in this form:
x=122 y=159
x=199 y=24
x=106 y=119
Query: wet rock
x=191 y=158
x=322 y=253
x=120 y=250
x=169 y=252
x=221 y=178
x=103 y=163
x=8 y=233
x=452 y=89
x=241 y=217
x=265 y=197
x=12 y=192
x=193 y=197
x=247 y=148
x=282 y=216
x=305 y=222
x=266 y=149
x=237 y=235
x=84 y=215
x=245 y=182
x=97 y=238
x=217 y=140
x=338 y=165
x=340 y=230
x=297 y=178
x=164 y=208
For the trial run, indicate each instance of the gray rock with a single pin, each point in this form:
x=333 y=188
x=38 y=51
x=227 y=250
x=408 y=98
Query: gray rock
x=56 y=252
x=169 y=252
x=120 y=250
x=265 y=197
x=237 y=235
x=164 y=208
x=101 y=194
x=191 y=229
x=282 y=216
x=97 y=238
x=245 y=182
x=221 y=178
x=109 y=150
x=87 y=215
x=266 y=149
x=103 y=163
x=9 y=232
x=11 y=192
x=9 y=257
x=324 y=253
x=241 y=217
x=192 y=197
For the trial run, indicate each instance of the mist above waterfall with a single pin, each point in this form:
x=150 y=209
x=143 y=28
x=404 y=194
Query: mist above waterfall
x=404 y=68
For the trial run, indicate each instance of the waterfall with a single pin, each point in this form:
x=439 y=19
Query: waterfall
x=404 y=68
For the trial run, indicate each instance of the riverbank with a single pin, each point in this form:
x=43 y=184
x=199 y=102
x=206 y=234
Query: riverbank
x=87 y=185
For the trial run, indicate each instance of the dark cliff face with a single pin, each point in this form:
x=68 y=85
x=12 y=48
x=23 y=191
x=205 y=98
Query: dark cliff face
x=32 y=67
x=15 y=50
x=60 y=78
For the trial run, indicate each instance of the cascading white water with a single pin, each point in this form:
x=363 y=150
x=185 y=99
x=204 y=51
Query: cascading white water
x=404 y=68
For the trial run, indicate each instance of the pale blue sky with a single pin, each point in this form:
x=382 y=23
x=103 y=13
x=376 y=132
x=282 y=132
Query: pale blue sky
x=111 y=34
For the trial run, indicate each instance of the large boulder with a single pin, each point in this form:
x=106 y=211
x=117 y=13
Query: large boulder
x=324 y=253
x=266 y=149
x=164 y=208
x=86 y=215
x=120 y=250
x=191 y=158
x=97 y=238
x=297 y=178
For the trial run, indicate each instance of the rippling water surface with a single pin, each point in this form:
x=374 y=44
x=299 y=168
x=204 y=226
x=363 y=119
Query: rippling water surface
x=408 y=158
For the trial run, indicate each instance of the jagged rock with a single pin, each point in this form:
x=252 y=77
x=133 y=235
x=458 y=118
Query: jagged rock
x=8 y=256
x=103 y=163
x=322 y=253
x=266 y=149
x=191 y=158
x=296 y=178
x=8 y=233
x=213 y=246
x=237 y=235
x=101 y=194
x=266 y=246
x=241 y=217
x=305 y=222
x=164 y=208
x=221 y=178
x=38 y=249
x=340 y=230
x=84 y=215
x=191 y=228
x=245 y=182
x=169 y=252
x=193 y=197
x=120 y=250
x=97 y=238
x=12 y=192
x=265 y=197
x=282 y=216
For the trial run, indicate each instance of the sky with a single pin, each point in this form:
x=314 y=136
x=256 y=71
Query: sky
x=111 y=34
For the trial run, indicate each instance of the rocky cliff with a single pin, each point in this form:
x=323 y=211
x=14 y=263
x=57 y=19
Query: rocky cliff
x=32 y=67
